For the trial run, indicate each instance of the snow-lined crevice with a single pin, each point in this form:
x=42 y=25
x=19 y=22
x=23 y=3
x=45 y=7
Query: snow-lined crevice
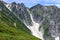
x=8 y=6
x=35 y=28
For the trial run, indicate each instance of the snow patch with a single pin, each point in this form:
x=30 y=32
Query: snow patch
x=35 y=28
x=57 y=38
x=8 y=6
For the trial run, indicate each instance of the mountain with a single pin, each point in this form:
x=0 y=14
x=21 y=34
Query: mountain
x=11 y=28
x=40 y=21
x=48 y=19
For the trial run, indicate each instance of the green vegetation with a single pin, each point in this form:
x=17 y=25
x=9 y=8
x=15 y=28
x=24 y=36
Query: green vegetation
x=11 y=33
x=46 y=27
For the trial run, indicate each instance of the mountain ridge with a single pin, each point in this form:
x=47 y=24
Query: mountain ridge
x=42 y=21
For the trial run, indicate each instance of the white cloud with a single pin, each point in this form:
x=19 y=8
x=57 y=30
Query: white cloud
x=58 y=5
x=52 y=1
x=36 y=1
x=33 y=2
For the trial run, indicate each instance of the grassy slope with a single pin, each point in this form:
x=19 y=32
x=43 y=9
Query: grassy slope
x=7 y=29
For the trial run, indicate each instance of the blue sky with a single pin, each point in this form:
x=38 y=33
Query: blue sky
x=30 y=3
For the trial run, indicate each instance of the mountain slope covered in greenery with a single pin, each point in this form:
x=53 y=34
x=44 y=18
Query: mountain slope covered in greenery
x=11 y=28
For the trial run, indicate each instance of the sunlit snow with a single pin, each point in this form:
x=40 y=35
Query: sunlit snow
x=57 y=38
x=35 y=28
x=8 y=6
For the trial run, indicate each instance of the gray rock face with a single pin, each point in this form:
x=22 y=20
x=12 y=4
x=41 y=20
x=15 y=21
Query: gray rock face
x=37 y=13
x=21 y=11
